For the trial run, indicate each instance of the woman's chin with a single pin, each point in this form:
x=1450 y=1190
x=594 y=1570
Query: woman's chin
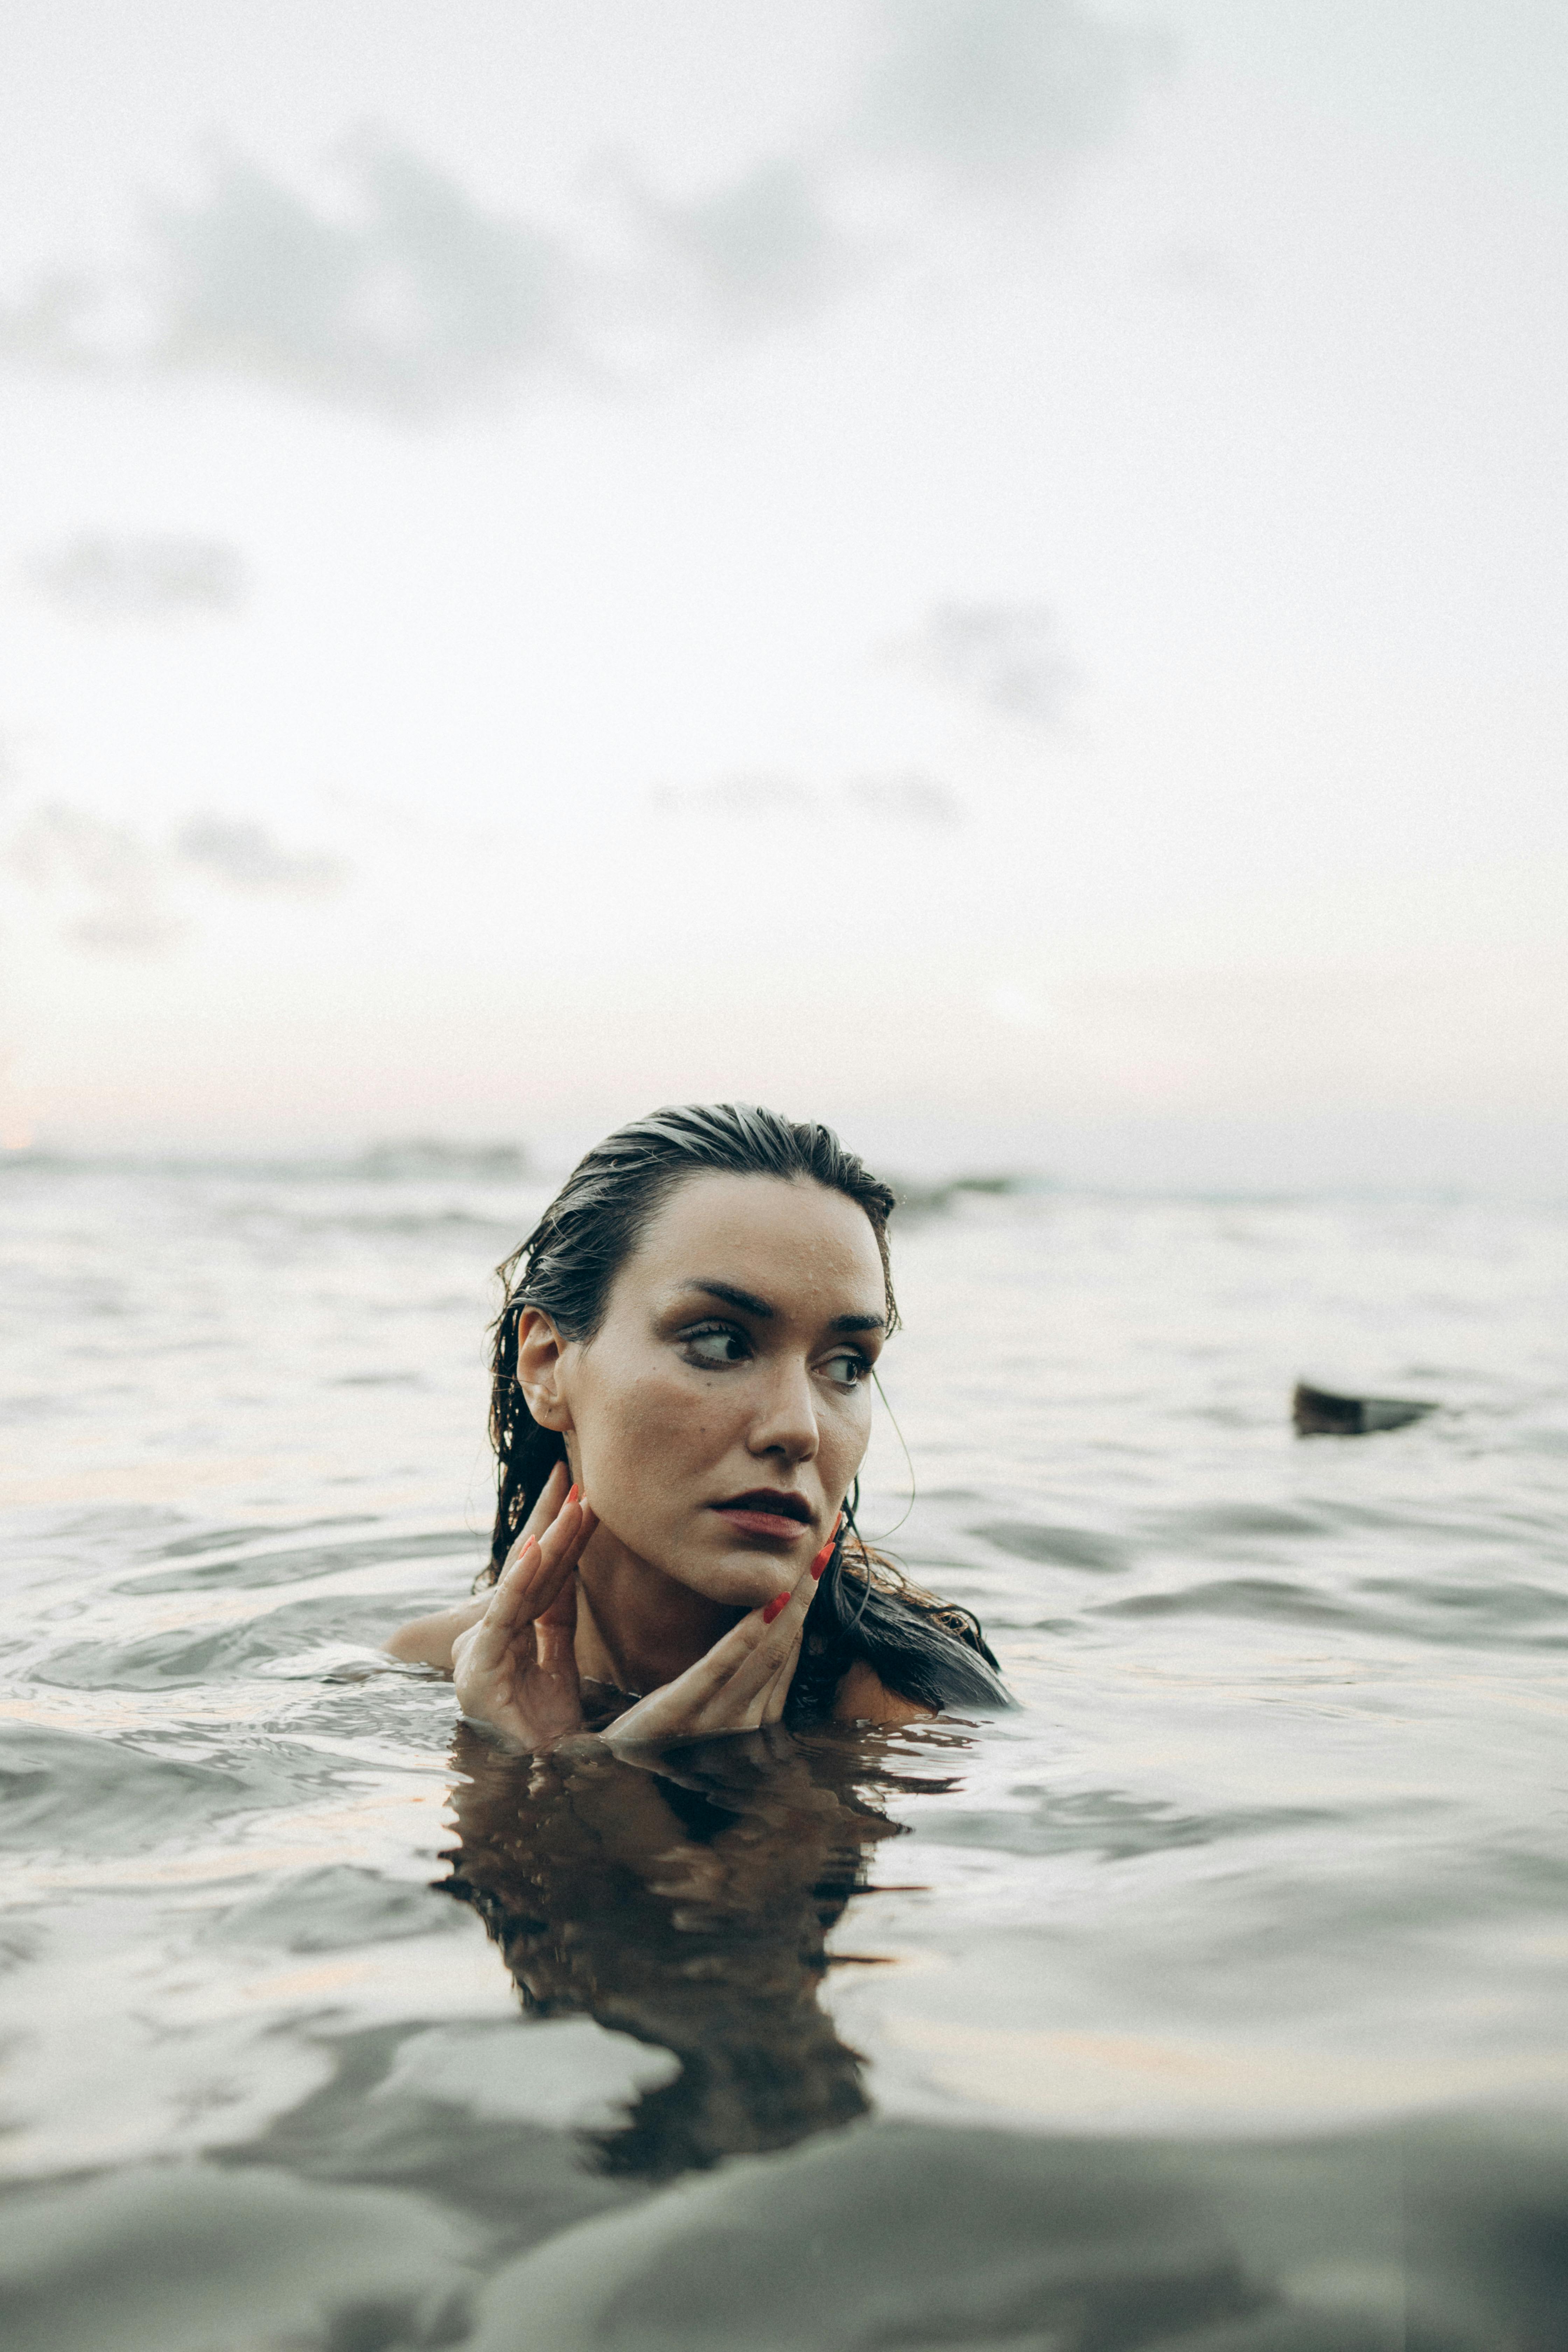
x=743 y=1578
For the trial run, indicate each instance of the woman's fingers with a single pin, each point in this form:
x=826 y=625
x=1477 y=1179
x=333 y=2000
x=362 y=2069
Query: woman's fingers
x=522 y=1588
x=552 y=1495
x=569 y=1530
x=777 y=1693
x=555 y=1625
x=560 y=1549
x=697 y=1700
x=555 y=1632
x=775 y=1639
x=529 y=1584
x=733 y=1683
x=721 y=1672
x=490 y=1644
x=793 y=1619
x=516 y=1668
x=543 y=1563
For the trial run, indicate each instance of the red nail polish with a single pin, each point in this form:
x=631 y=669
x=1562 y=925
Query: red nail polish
x=572 y=1498
x=823 y=1556
x=780 y=1601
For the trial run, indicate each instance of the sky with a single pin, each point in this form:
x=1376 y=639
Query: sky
x=991 y=571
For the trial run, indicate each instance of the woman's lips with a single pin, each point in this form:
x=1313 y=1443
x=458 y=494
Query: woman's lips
x=752 y=1519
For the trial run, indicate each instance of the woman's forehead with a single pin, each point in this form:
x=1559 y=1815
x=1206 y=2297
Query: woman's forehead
x=785 y=1231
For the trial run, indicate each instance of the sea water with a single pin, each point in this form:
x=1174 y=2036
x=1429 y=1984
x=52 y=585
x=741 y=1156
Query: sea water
x=1212 y=1999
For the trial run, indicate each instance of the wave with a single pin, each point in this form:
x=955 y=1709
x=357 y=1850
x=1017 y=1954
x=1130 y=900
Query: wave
x=220 y=1562
x=101 y=1797
x=1055 y=1547
x=1436 y=1613
x=1108 y=1823
x=920 y=2234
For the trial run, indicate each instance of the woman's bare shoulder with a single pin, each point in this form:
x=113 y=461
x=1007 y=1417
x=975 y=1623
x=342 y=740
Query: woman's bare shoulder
x=863 y=1697
x=427 y=1641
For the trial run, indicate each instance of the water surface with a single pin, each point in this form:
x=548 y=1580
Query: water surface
x=1212 y=1999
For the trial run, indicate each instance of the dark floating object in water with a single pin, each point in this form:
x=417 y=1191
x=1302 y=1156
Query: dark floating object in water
x=1317 y=1412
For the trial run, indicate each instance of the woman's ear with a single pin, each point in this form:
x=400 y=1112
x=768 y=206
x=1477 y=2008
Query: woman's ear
x=540 y=1348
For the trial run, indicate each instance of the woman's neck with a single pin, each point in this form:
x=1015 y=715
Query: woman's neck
x=637 y=1628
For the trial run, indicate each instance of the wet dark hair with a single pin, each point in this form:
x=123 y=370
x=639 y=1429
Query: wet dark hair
x=865 y=1610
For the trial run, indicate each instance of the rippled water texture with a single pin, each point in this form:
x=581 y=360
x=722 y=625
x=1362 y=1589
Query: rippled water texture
x=1213 y=1999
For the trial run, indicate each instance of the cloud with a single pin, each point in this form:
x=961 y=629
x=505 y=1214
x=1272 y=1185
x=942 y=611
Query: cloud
x=53 y=326
x=1002 y=88
x=417 y=297
x=762 y=246
x=401 y=293
x=903 y=800
x=410 y=297
x=112 y=579
x=126 y=926
x=1008 y=657
x=120 y=884
x=245 y=856
x=994 y=89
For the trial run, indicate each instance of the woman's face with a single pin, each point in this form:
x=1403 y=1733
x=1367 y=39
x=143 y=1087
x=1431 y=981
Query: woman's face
x=719 y=1415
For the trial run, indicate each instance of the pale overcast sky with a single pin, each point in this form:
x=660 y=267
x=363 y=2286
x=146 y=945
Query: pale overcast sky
x=990 y=570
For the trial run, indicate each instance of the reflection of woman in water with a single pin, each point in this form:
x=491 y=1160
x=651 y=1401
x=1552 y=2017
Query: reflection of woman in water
x=686 y=1900
x=681 y=1402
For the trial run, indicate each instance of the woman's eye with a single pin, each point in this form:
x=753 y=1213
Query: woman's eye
x=848 y=1370
x=718 y=1347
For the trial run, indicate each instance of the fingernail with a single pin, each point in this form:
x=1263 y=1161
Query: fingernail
x=572 y=1495
x=823 y=1556
x=780 y=1601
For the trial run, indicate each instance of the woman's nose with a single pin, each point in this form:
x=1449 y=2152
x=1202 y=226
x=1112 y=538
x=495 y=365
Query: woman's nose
x=787 y=1417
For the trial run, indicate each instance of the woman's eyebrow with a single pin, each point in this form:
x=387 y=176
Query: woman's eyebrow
x=750 y=1304
x=744 y=1299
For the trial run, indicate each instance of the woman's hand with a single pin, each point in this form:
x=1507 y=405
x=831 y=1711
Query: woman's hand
x=739 y=1684
x=516 y=1668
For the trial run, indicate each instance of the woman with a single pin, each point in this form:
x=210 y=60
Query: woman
x=681 y=1403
